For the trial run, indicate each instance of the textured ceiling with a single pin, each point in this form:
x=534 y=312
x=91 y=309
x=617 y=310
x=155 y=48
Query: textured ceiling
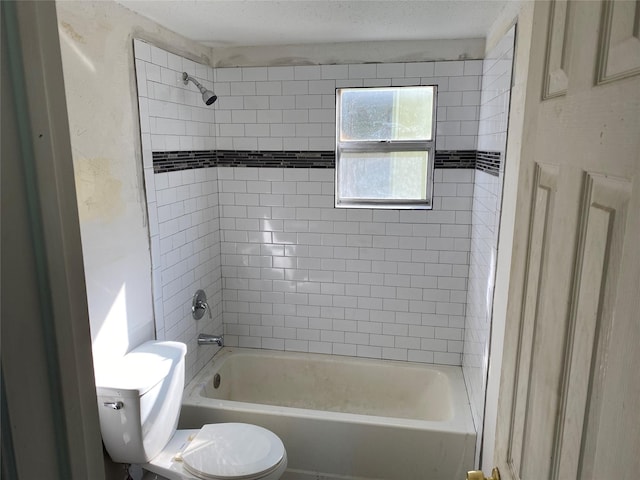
x=219 y=23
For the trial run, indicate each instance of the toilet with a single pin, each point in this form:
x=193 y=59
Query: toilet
x=139 y=400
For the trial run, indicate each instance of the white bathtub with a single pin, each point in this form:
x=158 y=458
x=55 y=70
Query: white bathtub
x=342 y=417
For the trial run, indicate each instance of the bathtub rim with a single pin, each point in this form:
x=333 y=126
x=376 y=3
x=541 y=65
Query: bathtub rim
x=461 y=422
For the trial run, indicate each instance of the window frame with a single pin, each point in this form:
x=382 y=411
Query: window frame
x=386 y=146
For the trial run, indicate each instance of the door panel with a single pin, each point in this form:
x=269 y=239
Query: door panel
x=595 y=285
x=571 y=388
x=556 y=61
x=619 y=52
x=545 y=373
x=543 y=203
x=611 y=439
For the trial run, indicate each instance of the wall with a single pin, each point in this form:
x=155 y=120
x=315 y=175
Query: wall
x=293 y=108
x=486 y=210
x=185 y=251
x=184 y=227
x=352 y=52
x=97 y=57
x=297 y=273
x=301 y=275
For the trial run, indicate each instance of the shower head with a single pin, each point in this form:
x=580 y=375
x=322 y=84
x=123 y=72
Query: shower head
x=208 y=96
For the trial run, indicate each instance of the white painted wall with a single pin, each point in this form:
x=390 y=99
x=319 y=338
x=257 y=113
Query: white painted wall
x=97 y=56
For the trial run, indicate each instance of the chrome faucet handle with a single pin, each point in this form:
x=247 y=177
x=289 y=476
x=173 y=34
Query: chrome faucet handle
x=199 y=305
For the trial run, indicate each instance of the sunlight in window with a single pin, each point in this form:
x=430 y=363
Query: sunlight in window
x=384 y=148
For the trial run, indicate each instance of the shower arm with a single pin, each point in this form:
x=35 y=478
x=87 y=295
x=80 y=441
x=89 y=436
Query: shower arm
x=186 y=77
x=208 y=96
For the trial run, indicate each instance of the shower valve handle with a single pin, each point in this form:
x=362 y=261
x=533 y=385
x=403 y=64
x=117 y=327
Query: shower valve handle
x=199 y=305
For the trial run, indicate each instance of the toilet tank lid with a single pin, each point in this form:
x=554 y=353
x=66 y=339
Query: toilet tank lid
x=141 y=369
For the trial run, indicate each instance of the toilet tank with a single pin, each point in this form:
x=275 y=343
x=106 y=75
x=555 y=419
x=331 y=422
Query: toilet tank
x=139 y=400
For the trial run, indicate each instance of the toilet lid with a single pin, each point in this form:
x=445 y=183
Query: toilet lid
x=232 y=450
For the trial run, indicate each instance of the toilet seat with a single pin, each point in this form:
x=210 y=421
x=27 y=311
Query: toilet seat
x=232 y=451
x=249 y=463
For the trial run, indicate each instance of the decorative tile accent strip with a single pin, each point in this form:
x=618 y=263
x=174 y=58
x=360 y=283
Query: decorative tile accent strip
x=455 y=159
x=189 y=159
x=173 y=161
x=489 y=162
x=285 y=159
x=186 y=160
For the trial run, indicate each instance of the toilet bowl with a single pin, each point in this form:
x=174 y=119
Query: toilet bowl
x=222 y=451
x=139 y=400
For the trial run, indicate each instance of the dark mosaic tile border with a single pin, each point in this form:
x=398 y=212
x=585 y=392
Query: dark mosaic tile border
x=489 y=162
x=285 y=159
x=455 y=159
x=185 y=160
x=172 y=161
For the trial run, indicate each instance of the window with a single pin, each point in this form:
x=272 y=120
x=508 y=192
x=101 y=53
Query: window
x=385 y=147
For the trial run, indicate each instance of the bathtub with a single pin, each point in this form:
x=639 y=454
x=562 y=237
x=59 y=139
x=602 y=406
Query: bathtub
x=342 y=417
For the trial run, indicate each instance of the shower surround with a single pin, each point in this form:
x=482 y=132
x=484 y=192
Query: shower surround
x=284 y=268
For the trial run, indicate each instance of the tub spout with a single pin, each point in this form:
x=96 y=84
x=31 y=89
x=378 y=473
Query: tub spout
x=206 y=339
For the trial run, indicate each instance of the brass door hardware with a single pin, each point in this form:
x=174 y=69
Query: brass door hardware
x=478 y=475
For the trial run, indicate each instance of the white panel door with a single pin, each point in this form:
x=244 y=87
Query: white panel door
x=569 y=400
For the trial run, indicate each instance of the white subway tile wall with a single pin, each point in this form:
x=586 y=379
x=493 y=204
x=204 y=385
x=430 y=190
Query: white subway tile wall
x=289 y=271
x=487 y=197
x=287 y=108
x=293 y=108
x=300 y=275
x=171 y=112
x=182 y=206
